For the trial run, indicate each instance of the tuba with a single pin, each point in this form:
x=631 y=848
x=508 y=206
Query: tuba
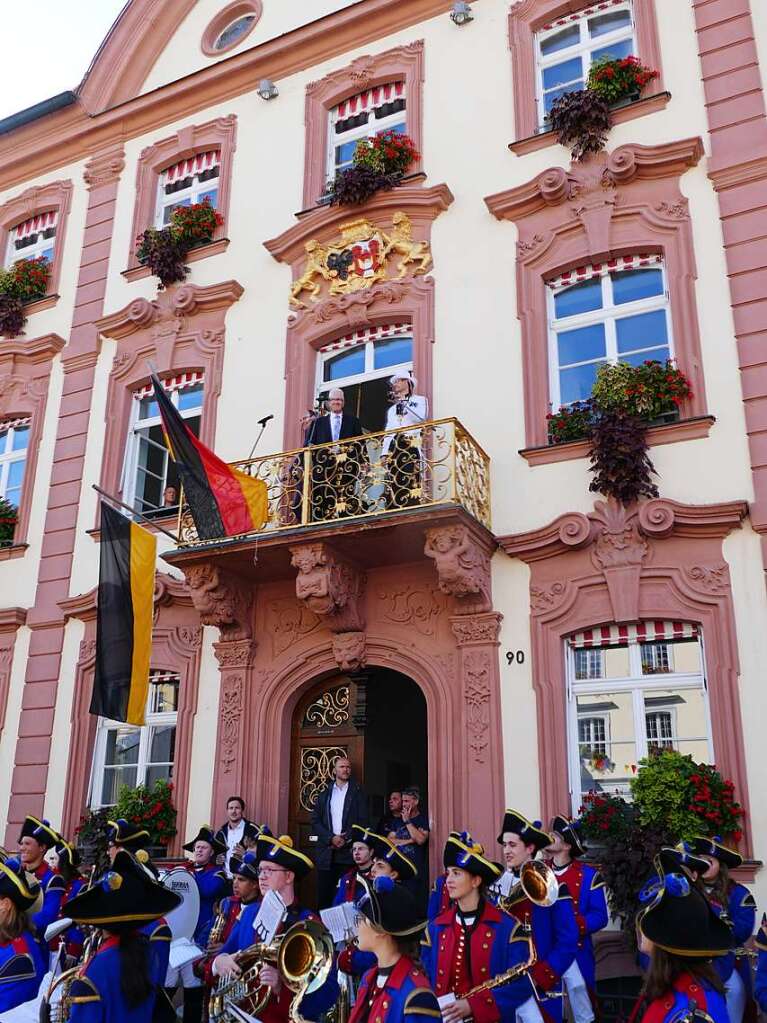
x=303 y=955
x=56 y=1004
x=537 y=882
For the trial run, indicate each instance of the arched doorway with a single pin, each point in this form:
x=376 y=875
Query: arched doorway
x=377 y=719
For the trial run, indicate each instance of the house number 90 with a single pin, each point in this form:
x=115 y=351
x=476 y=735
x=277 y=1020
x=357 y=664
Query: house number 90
x=515 y=657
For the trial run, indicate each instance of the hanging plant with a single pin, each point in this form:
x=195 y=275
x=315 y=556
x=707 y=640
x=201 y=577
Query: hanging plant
x=620 y=464
x=9 y=516
x=164 y=250
x=378 y=165
x=12 y=318
x=581 y=120
x=616 y=80
x=26 y=281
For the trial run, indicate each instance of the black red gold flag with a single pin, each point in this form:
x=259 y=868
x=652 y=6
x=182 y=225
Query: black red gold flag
x=222 y=501
x=123 y=618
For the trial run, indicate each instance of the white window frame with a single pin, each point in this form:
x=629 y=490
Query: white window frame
x=581 y=49
x=654 y=711
x=9 y=457
x=594 y=657
x=369 y=372
x=106 y=725
x=608 y=314
x=192 y=192
x=637 y=684
x=588 y=715
x=37 y=248
x=375 y=125
x=654 y=658
x=133 y=446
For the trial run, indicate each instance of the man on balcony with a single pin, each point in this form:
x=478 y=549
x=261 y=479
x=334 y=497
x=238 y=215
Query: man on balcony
x=335 y=469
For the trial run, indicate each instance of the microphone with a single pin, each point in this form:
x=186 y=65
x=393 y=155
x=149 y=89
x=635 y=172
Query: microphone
x=262 y=422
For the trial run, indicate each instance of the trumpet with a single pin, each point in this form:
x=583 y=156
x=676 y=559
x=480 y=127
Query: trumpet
x=537 y=882
x=303 y=955
x=217 y=929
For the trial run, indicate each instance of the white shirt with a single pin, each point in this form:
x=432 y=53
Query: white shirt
x=415 y=410
x=335 y=425
x=337 y=799
x=233 y=838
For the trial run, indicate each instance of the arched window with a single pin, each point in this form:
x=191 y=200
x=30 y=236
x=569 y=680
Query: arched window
x=633 y=690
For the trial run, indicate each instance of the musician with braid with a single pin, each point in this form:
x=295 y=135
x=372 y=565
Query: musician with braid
x=587 y=889
x=681 y=933
x=553 y=928
x=280 y=865
x=735 y=904
x=473 y=941
x=36 y=838
x=23 y=963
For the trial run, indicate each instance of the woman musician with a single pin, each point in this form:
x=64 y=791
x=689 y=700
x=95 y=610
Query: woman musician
x=23 y=962
x=400 y=452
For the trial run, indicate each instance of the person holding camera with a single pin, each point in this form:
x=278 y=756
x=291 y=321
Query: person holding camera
x=400 y=452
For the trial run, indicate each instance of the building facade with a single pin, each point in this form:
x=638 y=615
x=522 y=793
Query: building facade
x=502 y=636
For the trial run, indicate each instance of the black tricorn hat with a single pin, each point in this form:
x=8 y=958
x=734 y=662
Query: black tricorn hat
x=131 y=836
x=67 y=853
x=207 y=834
x=246 y=867
x=680 y=920
x=40 y=830
x=123 y=899
x=687 y=858
x=360 y=834
x=16 y=886
x=462 y=852
x=702 y=846
x=281 y=851
x=384 y=850
x=570 y=830
x=531 y=832
x=391 y=908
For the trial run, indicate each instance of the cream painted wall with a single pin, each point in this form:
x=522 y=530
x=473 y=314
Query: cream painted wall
x=759 y=21
x=198 y=810
x=62 y=726
x=12 y=717
x=184 y=54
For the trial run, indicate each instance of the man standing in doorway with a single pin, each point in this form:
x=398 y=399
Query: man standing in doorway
x=392 y=819
x=340 y=805
x=410 y=837
x=237 y=833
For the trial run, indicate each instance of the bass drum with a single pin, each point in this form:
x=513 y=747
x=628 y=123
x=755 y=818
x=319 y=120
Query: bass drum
x=183 y=919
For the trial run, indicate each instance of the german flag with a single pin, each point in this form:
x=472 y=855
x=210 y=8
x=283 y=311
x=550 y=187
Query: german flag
x=222 y=500
x=123 y=618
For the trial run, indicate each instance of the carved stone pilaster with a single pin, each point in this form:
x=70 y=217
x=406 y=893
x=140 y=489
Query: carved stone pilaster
x=330 y=587
x=463 y=567
x=235 y=659
x=476 y=630
x=221 y=599
x=349 y=650
x=104 y=167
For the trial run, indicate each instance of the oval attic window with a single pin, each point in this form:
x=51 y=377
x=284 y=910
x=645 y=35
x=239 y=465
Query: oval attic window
x=230 y=26
x=234 y=32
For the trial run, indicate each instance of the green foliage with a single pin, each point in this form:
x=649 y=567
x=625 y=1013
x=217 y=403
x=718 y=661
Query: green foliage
x=670 y=789
x=8 y=518
x=646 y=391
x=615 y=79
x=92 y=838
x=572 y=422
x=165 y=250
x=152 y=809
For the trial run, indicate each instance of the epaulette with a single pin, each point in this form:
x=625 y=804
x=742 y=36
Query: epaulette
x=222 y=875
x=56 y=884
x=162 y=932
x=426 y=939
x=19 y=967
x=564 y=891
x=597 y=881
x=423 y=1002
x=518 y=932
x=83 y=990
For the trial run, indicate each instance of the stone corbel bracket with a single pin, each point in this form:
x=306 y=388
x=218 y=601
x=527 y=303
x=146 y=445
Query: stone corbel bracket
x=462 y=562
x=330 y=586
x=221 y=599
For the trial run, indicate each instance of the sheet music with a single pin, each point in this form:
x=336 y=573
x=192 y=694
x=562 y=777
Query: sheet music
x=269 y=917
x=341 y=921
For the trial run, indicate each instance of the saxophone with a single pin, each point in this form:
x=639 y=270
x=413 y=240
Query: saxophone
x=508 y=975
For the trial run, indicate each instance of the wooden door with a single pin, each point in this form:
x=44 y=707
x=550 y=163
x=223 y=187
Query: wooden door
x=323 y=729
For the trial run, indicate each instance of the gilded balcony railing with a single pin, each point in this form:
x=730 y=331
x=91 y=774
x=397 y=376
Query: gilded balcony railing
x=436 y=463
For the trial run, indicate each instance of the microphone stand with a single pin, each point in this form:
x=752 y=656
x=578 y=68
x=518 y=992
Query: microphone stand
x=262 y=423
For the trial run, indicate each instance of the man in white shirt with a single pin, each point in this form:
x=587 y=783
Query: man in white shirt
x=338 y=807
x=238 y=832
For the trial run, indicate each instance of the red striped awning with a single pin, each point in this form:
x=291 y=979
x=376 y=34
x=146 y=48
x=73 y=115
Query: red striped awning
x=41 y=222
x=361 y=337
x=641 y=632
x=177 y=383
x=14 y=424
x=370 y=99
x=587 y=273
x=194 y=165
x=586 y=12
x=157 y=676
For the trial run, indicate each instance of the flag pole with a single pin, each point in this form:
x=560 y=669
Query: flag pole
x=133 y=511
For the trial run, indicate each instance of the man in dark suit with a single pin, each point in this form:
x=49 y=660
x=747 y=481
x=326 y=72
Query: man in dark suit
x=336 y=468
x=339 y=806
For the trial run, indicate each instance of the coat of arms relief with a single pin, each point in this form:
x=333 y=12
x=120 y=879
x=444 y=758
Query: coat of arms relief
x=362 y=255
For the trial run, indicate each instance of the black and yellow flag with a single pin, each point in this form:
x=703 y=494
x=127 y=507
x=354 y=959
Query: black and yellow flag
x=124 y=618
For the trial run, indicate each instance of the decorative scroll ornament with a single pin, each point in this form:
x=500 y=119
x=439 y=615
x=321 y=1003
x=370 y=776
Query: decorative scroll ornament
x=329 y=710
x=363 y=255
x=230 y=715
x=476 y=693
x=416 y=606
x=476 y=630
x=316 y=764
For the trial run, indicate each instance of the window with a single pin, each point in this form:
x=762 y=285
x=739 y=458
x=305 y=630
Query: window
x=567 y=48
x=188 y=182
x=618 y=714
x=601 y=315
x=127 y=755
x=147 y=470
x=234 y=32
x=364 y=116
x=14 y=441
x=361 y=365
x=32 y=238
